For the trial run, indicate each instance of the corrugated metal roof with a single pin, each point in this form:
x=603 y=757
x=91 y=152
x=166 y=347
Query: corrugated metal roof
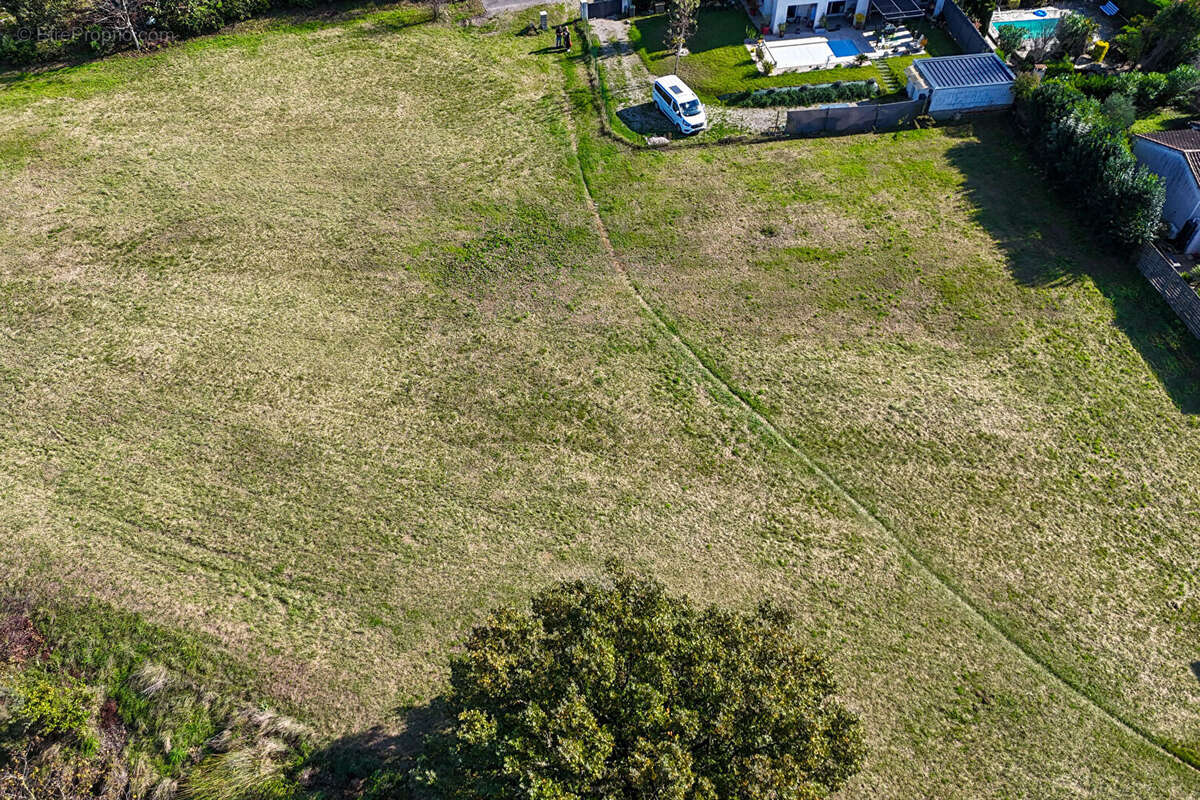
x=955 y=72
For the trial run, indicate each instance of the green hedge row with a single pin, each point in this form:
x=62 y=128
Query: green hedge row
x=1147 y=89
x=808 y=95
x=1089 y=159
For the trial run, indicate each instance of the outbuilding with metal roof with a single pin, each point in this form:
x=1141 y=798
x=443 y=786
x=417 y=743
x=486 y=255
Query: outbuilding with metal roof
x=956 y=84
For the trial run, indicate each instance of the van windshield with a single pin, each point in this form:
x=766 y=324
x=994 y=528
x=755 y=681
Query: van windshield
x=690 y=108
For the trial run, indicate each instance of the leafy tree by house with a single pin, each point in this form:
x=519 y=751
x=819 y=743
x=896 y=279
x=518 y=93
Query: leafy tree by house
x=1075 y=32
x=681 y=25
x=979 y=10
x=1171 y=38
x=617 y=690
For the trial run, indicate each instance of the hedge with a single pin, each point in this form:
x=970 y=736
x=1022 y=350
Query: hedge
x=1148 y=90
x=1091 y=160
x=807 y=95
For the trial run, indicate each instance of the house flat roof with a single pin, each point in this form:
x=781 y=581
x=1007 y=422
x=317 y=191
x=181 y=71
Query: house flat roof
x=956 y=72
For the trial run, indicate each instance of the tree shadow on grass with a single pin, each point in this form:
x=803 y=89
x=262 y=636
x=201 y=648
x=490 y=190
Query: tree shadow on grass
x=366 y=763
x=1044 y=242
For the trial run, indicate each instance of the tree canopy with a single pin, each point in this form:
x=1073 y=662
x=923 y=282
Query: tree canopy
x=618 y=690
x=1170 y=38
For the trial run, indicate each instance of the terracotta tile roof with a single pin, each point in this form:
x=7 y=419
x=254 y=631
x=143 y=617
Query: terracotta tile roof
x=1185 y=141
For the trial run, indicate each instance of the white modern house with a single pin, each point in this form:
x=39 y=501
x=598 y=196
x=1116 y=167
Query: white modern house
x=810 y=12
x=961 y=84
x=1175 y=157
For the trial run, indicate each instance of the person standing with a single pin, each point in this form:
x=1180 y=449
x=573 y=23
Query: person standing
x=567 y=38
x=558 y=31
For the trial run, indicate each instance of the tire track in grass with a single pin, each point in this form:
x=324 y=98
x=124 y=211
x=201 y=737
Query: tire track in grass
x=751 y=407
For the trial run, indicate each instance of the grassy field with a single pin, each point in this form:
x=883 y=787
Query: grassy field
x=1017 y=405
x=310 y=358
x=718 y=62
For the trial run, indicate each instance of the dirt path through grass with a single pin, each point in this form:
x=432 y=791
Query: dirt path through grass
x=739 y=397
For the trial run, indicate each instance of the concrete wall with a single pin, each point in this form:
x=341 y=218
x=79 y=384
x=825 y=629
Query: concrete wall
x=962 y=30
x=850 y=119
x=971 y=98
x=1183 y=195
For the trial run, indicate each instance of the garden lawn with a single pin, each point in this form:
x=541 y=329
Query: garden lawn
x=1161 y=119
x=718 y=63
x=312 y=353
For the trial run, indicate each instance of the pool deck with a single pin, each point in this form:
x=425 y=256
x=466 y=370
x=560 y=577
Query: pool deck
x=809 y=49
x=1007 y=16
x=1109 y=26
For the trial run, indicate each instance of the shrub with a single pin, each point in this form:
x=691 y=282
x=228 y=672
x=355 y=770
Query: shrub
x=1010 y=38
x=1119 y=111
x=1075 y=32
x=619 y=690
x=1024 y=84
x=16 y=52
x=55 y=707
x=1182 y=83
x=1148 y=90
x=1062 y=67
x=1151 y=89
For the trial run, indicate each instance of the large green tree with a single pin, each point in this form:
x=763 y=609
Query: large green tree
x=1170 y=38
x=617 y=690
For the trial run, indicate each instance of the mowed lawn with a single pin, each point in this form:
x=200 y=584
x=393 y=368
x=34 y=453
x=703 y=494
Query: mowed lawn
x=310 y=349
x=718 y=63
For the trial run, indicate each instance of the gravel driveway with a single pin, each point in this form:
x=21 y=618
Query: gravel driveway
x=630 y=84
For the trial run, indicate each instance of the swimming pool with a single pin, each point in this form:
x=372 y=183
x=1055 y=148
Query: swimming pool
x=1034 y=28
x=843 y=47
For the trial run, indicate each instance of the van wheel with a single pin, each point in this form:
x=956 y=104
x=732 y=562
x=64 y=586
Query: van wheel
x=679 y=127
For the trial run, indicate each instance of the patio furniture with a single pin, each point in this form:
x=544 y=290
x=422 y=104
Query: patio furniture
x=1110 y=9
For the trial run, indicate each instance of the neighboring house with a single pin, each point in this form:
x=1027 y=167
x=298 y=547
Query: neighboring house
x=1175 y=157
x=959 y=84
x=810 y=12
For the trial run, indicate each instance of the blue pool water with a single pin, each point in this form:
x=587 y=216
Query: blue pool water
x=842 y=48
x=1032 y=27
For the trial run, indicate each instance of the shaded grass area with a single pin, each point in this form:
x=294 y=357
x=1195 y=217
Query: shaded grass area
x=719 y=64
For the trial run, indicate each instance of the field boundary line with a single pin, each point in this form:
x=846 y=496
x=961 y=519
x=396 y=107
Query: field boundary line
x=750 y=406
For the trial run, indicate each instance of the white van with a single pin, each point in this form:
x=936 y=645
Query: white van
x=679 y=104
